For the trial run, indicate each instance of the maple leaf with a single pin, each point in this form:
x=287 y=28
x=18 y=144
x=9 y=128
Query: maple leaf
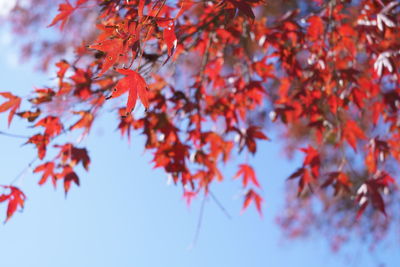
x=125 y=123
x=48 y=171
x=65 y=10
x=170 y=38
x=43 y=95
x=113 y=48
x=264 y=70
x=252 y=196
x=305 y=178
x=12 y=104
x=135 y=84
x=69 y=176
x=16 y=198
x=65 y=152
x=62 y=69
x=369 y=192
x=252 y=133
x=41 y=142
x=80 y=155
x=51 y=124
x=29 y=115
x=189 y=196
x=352 y=132
x=248 y=174
x=73 y=155
x=312 y=159
x=218 y=145
x=85 y=121
x=313 y=162
x=340 y=181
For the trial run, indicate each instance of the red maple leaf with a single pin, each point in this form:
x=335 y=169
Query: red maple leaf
x=352 y=133
x=114 y=49
x=29 y=115
x=305 y=178
x=135 y=84
x=80 y=155
x=248 y=174
x=85 y=121
x=73 y=155
x=43 y=95
x=170 y=38
x=252 y=133
x=41 y=142
x=65 y=10
x=69 y=176
x=312 y=159
x=12 y=104
x=51 y=124
x=15 y=198
x=48 y=171
x=340 y=182
x=189 y=196
x=370 y=192
x=252 y=196
x=62 y=69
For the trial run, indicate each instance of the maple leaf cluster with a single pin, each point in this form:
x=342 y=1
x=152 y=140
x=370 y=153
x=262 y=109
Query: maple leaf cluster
x=208 y=73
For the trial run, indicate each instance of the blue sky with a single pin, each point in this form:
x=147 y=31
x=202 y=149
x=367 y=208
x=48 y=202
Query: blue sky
x=124 y=214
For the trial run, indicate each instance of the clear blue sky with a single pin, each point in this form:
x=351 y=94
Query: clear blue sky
x=125 y=215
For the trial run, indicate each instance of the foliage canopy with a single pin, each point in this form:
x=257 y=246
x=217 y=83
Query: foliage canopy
x=205 y=79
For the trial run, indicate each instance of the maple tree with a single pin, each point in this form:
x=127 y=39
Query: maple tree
x=210 y=75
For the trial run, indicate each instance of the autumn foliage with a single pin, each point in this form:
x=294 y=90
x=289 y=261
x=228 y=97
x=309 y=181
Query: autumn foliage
x=203 y=80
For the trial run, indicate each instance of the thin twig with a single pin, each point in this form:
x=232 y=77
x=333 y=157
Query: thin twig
x=14 y=135
x=21 y=174
x=199 y=222
x=220 y=205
